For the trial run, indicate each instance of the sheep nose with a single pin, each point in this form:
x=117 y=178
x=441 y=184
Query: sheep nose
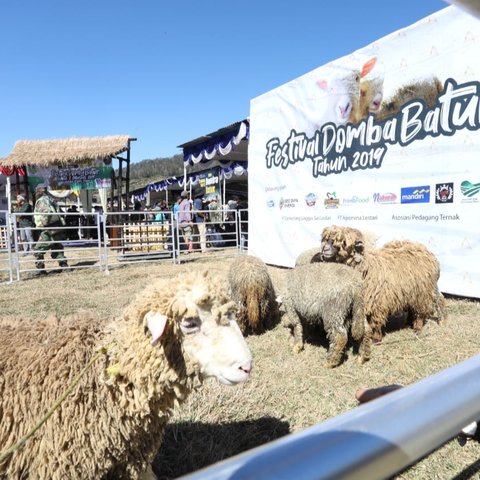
x=246 y=367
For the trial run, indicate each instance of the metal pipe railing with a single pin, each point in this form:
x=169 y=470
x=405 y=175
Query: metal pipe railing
x=372 y=441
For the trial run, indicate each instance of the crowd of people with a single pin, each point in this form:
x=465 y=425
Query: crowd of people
x=202 y=220
x=203 y=223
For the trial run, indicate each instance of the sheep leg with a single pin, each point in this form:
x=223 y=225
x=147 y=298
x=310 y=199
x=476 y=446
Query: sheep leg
x=337 y=341
x=418 y=323
x=376 y=326
x=377 y=335
x=148 y=474
x=365 y=348
x=440 y=308
x=295 y=322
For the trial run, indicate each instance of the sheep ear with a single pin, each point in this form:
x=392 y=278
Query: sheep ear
x=156 y=325
x=368 y=66
x=323 y=84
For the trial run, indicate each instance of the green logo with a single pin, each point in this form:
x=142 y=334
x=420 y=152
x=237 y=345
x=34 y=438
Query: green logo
x=469 y=189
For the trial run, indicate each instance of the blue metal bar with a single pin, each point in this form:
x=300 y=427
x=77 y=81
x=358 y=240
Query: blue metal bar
x=372 y=441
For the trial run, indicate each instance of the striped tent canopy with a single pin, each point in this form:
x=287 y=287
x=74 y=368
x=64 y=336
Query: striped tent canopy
x=225 y=145
x=70 y=151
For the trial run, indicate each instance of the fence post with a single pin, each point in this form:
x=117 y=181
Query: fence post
x=9 y=247
x=105 y=241
x=99 y=238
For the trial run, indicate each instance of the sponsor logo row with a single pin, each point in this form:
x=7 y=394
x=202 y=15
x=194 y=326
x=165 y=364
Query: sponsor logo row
x=442 y=193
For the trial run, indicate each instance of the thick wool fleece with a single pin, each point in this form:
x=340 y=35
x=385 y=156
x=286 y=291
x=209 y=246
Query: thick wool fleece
x=331 y=295
x=111 y=426
x=400 y=276
x=308 y=256
x=253 y=291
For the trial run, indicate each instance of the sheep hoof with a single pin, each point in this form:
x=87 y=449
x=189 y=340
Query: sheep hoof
x=362 y=360
x=330 y=365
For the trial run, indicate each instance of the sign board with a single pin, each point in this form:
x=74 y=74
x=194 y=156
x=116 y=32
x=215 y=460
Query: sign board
x=70 y=178
x=209 y=180
x=386 y=140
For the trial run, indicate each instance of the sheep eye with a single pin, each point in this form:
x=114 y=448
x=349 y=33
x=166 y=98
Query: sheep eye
x=190 y=325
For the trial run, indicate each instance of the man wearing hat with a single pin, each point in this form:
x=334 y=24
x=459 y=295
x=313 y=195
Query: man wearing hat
x=185 y=220
x=25 y=223
x=199 y=217
x=47 y=216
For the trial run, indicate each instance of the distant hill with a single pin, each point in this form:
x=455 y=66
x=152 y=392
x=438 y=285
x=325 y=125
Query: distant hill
x=157 y=167
x=153 y=170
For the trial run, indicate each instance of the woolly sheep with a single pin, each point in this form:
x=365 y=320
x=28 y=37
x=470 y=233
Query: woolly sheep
x=400 y=276
x=333 y=98
x=370 y=99
x=426 y=90
x=314 y=254
x=309 y=256
x=172 y=336
x=254 y=294
x=331 y=295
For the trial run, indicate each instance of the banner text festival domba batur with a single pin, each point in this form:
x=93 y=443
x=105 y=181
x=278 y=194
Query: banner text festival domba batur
x=406 y=167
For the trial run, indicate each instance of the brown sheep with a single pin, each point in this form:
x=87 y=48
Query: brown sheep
x=252 y=290
x=426 y=90
x=400 y=276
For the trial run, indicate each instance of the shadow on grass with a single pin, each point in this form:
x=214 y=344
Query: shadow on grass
x=187 y=446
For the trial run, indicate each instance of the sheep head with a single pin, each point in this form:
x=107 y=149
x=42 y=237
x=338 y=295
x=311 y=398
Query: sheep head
x=205 y=321
x=342 y=245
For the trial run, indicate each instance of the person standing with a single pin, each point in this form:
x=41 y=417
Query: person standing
x=185 y=220
x=25 y=224
x=199 y=217
x=47 y=217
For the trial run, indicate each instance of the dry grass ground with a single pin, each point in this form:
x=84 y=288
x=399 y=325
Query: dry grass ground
x=287 y=392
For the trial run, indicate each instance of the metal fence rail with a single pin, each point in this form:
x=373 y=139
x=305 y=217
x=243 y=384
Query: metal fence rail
x=102 y=241
x=372 y=441
x=6 y=263
x=77 y=238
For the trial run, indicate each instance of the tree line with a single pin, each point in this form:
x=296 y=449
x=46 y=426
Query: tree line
x=164 y=167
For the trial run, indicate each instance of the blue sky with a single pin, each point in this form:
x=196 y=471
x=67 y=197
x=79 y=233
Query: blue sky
x=168 y=72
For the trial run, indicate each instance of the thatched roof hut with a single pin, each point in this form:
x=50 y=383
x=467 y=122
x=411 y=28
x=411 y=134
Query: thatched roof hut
x=69 y=151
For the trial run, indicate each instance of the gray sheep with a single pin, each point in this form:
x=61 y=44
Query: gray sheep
x=311 y=255
x=331 y=295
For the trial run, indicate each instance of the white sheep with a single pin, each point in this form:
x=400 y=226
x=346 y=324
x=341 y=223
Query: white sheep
x=172 y=336
x=332 y=98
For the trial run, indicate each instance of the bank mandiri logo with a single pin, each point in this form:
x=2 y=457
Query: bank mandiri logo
x=419 y=194
x=444 y=192
x=384 y=198
x=331 y=200
x=311 y=199
x=469 y=191
x=287 y=202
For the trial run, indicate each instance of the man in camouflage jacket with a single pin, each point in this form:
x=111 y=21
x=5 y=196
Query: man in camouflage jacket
x=47 y=217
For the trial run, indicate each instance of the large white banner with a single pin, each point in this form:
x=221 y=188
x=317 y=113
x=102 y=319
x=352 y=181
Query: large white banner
x=386 y=140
